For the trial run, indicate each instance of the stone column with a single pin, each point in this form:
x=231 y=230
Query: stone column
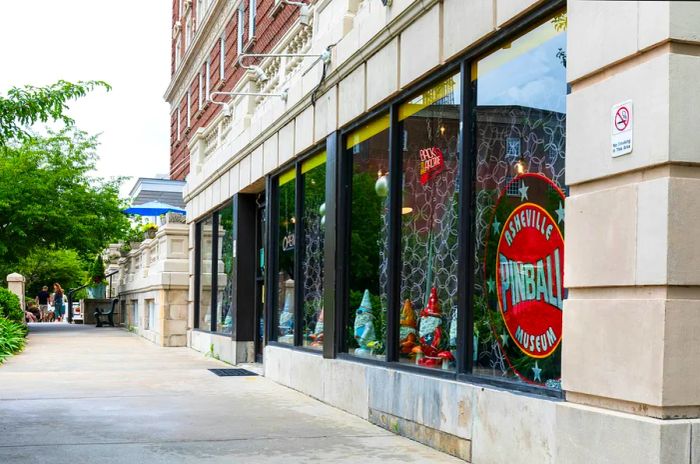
x=15 y=284
x=631 y=350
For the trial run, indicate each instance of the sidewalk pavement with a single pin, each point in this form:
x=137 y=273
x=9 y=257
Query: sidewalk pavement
x=83 y=395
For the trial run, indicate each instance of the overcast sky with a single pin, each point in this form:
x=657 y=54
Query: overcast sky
x=126 y=43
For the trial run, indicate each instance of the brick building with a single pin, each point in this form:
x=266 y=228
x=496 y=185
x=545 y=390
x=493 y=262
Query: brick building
x=208 y=38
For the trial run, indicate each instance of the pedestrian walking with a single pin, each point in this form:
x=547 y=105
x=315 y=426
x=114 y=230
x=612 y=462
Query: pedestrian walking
x=58 y=301
x=42 y=300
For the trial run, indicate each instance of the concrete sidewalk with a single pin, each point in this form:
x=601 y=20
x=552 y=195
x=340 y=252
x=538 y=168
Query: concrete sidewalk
x=84 y=395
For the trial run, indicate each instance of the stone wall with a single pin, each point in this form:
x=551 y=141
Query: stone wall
x=154 y=278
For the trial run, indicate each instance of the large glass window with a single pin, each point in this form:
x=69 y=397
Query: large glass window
x=313 y=221
x=520 y=123
x=429 y=226
x=286 y=238
x=367 y=267
x=224 y=298
x=205 y=255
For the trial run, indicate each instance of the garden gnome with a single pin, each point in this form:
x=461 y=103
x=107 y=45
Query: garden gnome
x=364 y=327
x=453 y=329
x=318 y=331
x=408 y=338
x=432 y=333
x=286 y=326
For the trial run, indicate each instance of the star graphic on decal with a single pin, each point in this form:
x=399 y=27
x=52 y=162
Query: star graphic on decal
x=504 y=339
x=496 y=226
x=560 y=213
x=523 y=192
x=537 y=371
x=491 y=284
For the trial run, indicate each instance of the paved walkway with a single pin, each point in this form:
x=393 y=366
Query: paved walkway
x=84 y=395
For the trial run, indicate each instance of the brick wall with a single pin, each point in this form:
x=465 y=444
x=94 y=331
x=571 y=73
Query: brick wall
x=268 y=32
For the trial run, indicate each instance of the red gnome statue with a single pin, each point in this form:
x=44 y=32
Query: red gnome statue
x=432 y=334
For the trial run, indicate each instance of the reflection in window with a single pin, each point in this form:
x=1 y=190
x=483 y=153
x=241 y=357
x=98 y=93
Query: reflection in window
x=205 y=248
x=368 y=148
x=224 y=299
x=520 y=123
x=286 y=221
x=429 y=226
x=313 y=221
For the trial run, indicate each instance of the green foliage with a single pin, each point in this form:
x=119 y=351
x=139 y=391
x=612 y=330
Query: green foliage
x=24 y=106
x=12 y=337
x=44 y=266
x=10 y=307
x=50 y=200
x=364 y=239
x=97 y=270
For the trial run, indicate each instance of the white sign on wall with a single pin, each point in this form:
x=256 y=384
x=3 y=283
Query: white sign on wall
x=621 y=120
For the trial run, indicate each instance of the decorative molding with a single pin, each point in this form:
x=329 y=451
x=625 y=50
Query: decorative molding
x=334 y=76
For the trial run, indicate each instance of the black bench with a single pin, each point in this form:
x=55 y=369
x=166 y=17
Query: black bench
x=99 y=314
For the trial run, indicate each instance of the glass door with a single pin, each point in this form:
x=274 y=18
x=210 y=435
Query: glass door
x=260 y=232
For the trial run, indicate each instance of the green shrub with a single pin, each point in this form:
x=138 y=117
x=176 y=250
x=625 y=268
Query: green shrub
x=12 y=337
x=10 y=307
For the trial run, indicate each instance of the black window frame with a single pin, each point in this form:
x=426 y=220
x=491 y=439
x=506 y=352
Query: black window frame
x=338 y=206
x=214 y=216
x=273 y=245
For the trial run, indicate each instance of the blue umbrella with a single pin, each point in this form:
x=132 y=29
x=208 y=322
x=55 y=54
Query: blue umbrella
x=153 y=208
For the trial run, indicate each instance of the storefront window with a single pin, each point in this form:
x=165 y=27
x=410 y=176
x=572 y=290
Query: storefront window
x=313 y=222
x=205 y=254
x=224 y=299
x=429 y=226
x=286 y=285
x=520 y=133
x=368 y=148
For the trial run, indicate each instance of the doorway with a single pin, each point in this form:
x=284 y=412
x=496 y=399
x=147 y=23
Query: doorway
x=260 y=237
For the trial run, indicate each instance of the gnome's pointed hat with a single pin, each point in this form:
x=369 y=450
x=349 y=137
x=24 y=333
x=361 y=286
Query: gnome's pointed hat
x=433 y=308
x=408 y=317
x=366 y=305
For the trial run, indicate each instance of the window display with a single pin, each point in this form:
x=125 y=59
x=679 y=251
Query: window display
x=368 y=148
x=286 y=238
x=224 y=298
x=205 y=258
x=313 y=220
x=430 y=124
x=520 y=134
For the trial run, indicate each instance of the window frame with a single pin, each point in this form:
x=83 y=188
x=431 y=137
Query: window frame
x=252 y=13
x=189 y=103
x=213 y=299
x=222 y=56
x=240 y=29
x=273 y=259
x=201 y=94
x=467 y=166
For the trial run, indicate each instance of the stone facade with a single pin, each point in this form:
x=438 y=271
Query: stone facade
x=153 y=286
x=631 y=322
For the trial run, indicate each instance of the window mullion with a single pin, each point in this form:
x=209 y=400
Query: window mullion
x=394 y=252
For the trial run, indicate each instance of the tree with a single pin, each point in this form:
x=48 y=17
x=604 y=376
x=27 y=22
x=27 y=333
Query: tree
x=24 y=106
x=49 y=200
x=45 y=266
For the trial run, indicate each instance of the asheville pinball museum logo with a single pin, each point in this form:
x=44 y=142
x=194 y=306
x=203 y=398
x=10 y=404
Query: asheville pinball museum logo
x=525 y=266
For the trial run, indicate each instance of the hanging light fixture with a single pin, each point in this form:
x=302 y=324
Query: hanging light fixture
x=381 y=187
x=520 y=166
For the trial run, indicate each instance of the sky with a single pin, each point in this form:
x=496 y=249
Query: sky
x=125 y=43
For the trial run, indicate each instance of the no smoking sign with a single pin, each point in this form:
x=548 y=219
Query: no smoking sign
x=621 y=123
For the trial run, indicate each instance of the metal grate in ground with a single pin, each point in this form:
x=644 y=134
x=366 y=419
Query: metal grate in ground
x=232 y=372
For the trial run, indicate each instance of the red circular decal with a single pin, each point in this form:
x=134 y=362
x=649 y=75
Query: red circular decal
x=622 y=118
x=529 y=272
